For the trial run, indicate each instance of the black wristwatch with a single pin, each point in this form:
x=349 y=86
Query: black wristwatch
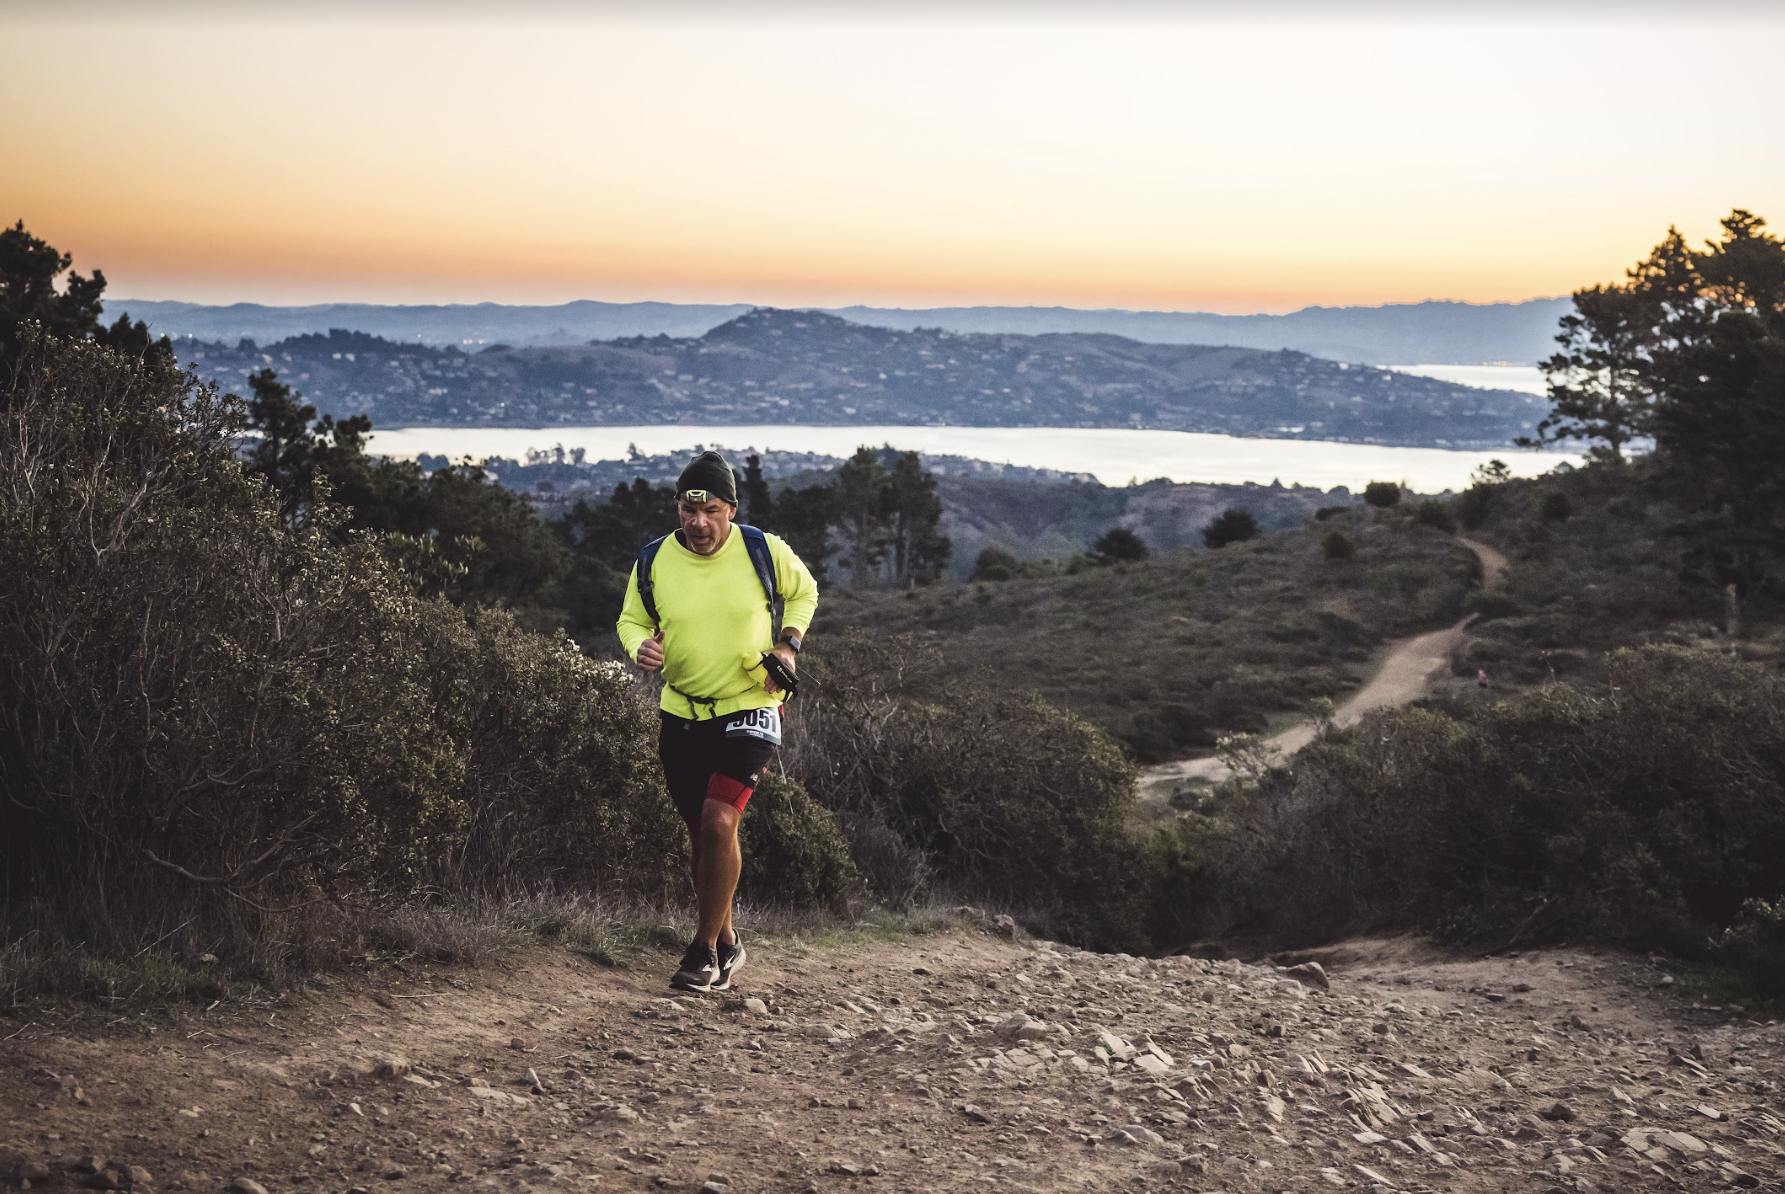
x=792 y=640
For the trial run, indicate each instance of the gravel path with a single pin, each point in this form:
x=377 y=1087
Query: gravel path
x=947 y=1063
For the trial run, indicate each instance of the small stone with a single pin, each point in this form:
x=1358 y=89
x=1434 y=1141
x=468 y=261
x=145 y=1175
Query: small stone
x=972 y=1112
x=245 y=1185
x=106 y=1179
x=516 y=1043
x=33 y=1171
x=755 y=1006
x=393 y=1173
x=855 y=1104
x=720 y=1178
x=91 y=1163
x=845 y=1168
x=1151 y=1065
x=136 y=1175
x=1558 y=1111
x=1004 y=926
x=395 y=1067
x=713 y=1187
x=1710 y=1112
x=1309 y=974
x=624 y=1055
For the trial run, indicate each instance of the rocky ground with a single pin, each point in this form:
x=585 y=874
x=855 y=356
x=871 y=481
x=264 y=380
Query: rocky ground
x=954 y=1062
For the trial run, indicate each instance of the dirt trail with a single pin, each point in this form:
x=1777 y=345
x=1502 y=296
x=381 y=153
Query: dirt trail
x=1405 y=676
x=911 y=1066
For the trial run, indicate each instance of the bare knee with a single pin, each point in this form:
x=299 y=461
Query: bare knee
x=719 y=823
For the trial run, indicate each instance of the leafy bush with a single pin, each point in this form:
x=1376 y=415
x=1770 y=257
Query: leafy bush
x=794 y=852
x=1337 y=545
x=1118 y=544
x=1646 y=811
x=1472 y=505
x=1754 y=946
x=222 y=731
x=1230 y=526
x=1382 y=494
x=995 y=564
x=947 y=788
x=1435 y=514
x=1555 y=507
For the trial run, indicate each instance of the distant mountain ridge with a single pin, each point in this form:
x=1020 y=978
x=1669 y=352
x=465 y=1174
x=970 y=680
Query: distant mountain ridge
x=771 y=367
x=1432 y=333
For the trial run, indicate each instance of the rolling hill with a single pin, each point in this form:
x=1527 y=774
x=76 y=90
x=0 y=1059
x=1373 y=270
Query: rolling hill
x=1433 y=333
x=785 y=367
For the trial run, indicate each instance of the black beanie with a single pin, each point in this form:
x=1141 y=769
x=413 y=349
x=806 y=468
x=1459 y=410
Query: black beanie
x=708 y=475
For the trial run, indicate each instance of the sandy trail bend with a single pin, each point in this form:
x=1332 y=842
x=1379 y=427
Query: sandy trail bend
x=1405 y=676
x=904 y=1066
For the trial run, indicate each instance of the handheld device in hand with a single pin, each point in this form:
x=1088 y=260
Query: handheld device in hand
x=781 y=673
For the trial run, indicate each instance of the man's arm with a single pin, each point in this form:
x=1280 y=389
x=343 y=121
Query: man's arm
x=635 y=628
x=799 y=592
x=799 y=601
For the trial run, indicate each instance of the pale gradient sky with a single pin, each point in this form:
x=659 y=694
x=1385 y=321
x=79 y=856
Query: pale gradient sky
x=1144 y=157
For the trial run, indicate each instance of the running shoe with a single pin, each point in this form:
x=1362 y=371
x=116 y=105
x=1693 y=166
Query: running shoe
x=699 y=969
x=731 y=959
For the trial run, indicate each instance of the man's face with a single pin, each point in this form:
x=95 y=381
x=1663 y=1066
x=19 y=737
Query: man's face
x=705 y=524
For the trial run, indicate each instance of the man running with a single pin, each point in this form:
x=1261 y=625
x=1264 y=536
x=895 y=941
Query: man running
x=706 y=618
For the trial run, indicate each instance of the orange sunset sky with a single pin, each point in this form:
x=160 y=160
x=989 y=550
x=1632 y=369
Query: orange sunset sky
x=1150 y=157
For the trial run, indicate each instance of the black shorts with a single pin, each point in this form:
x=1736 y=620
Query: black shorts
x=721 y=758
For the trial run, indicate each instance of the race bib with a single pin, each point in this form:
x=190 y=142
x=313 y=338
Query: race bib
x=756 y=723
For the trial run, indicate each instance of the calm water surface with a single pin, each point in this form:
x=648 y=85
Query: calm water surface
x=1114 y=456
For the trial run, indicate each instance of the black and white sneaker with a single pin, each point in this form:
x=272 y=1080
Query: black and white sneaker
x=699 y=969
x=731 y=959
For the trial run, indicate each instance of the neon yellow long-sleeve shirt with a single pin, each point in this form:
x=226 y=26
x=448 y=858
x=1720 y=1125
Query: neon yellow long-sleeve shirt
x=715 y=621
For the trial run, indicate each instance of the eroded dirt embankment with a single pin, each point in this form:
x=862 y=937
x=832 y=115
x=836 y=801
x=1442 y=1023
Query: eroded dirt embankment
x=947 y=1063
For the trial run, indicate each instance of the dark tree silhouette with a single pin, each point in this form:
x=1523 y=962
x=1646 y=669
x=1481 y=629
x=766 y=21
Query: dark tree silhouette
x=1230 y=526
x=29 y=270
x=1118 y=544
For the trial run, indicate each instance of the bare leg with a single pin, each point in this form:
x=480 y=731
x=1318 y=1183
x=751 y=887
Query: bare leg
x=717 y=864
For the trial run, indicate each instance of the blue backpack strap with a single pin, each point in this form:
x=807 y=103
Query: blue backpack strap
x=757 y=544
x=647 y=557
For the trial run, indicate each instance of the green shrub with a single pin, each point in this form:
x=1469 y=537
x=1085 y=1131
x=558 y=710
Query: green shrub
x=1473 y=504
x=1434 y=513
x=1489 y=604
x=995 y=564
x=1118 y=544
x=1555 y=506
x=1382 y=494
x=220 y=732
x=1646 y=812
x=1337 y=545
x=948 y=789
x=561 y=779
x=1326 y=512
x=1754 y=946
x=1230 y=526
x=794 y=852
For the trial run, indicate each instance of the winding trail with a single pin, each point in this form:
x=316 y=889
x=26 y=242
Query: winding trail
x=1405 y=676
